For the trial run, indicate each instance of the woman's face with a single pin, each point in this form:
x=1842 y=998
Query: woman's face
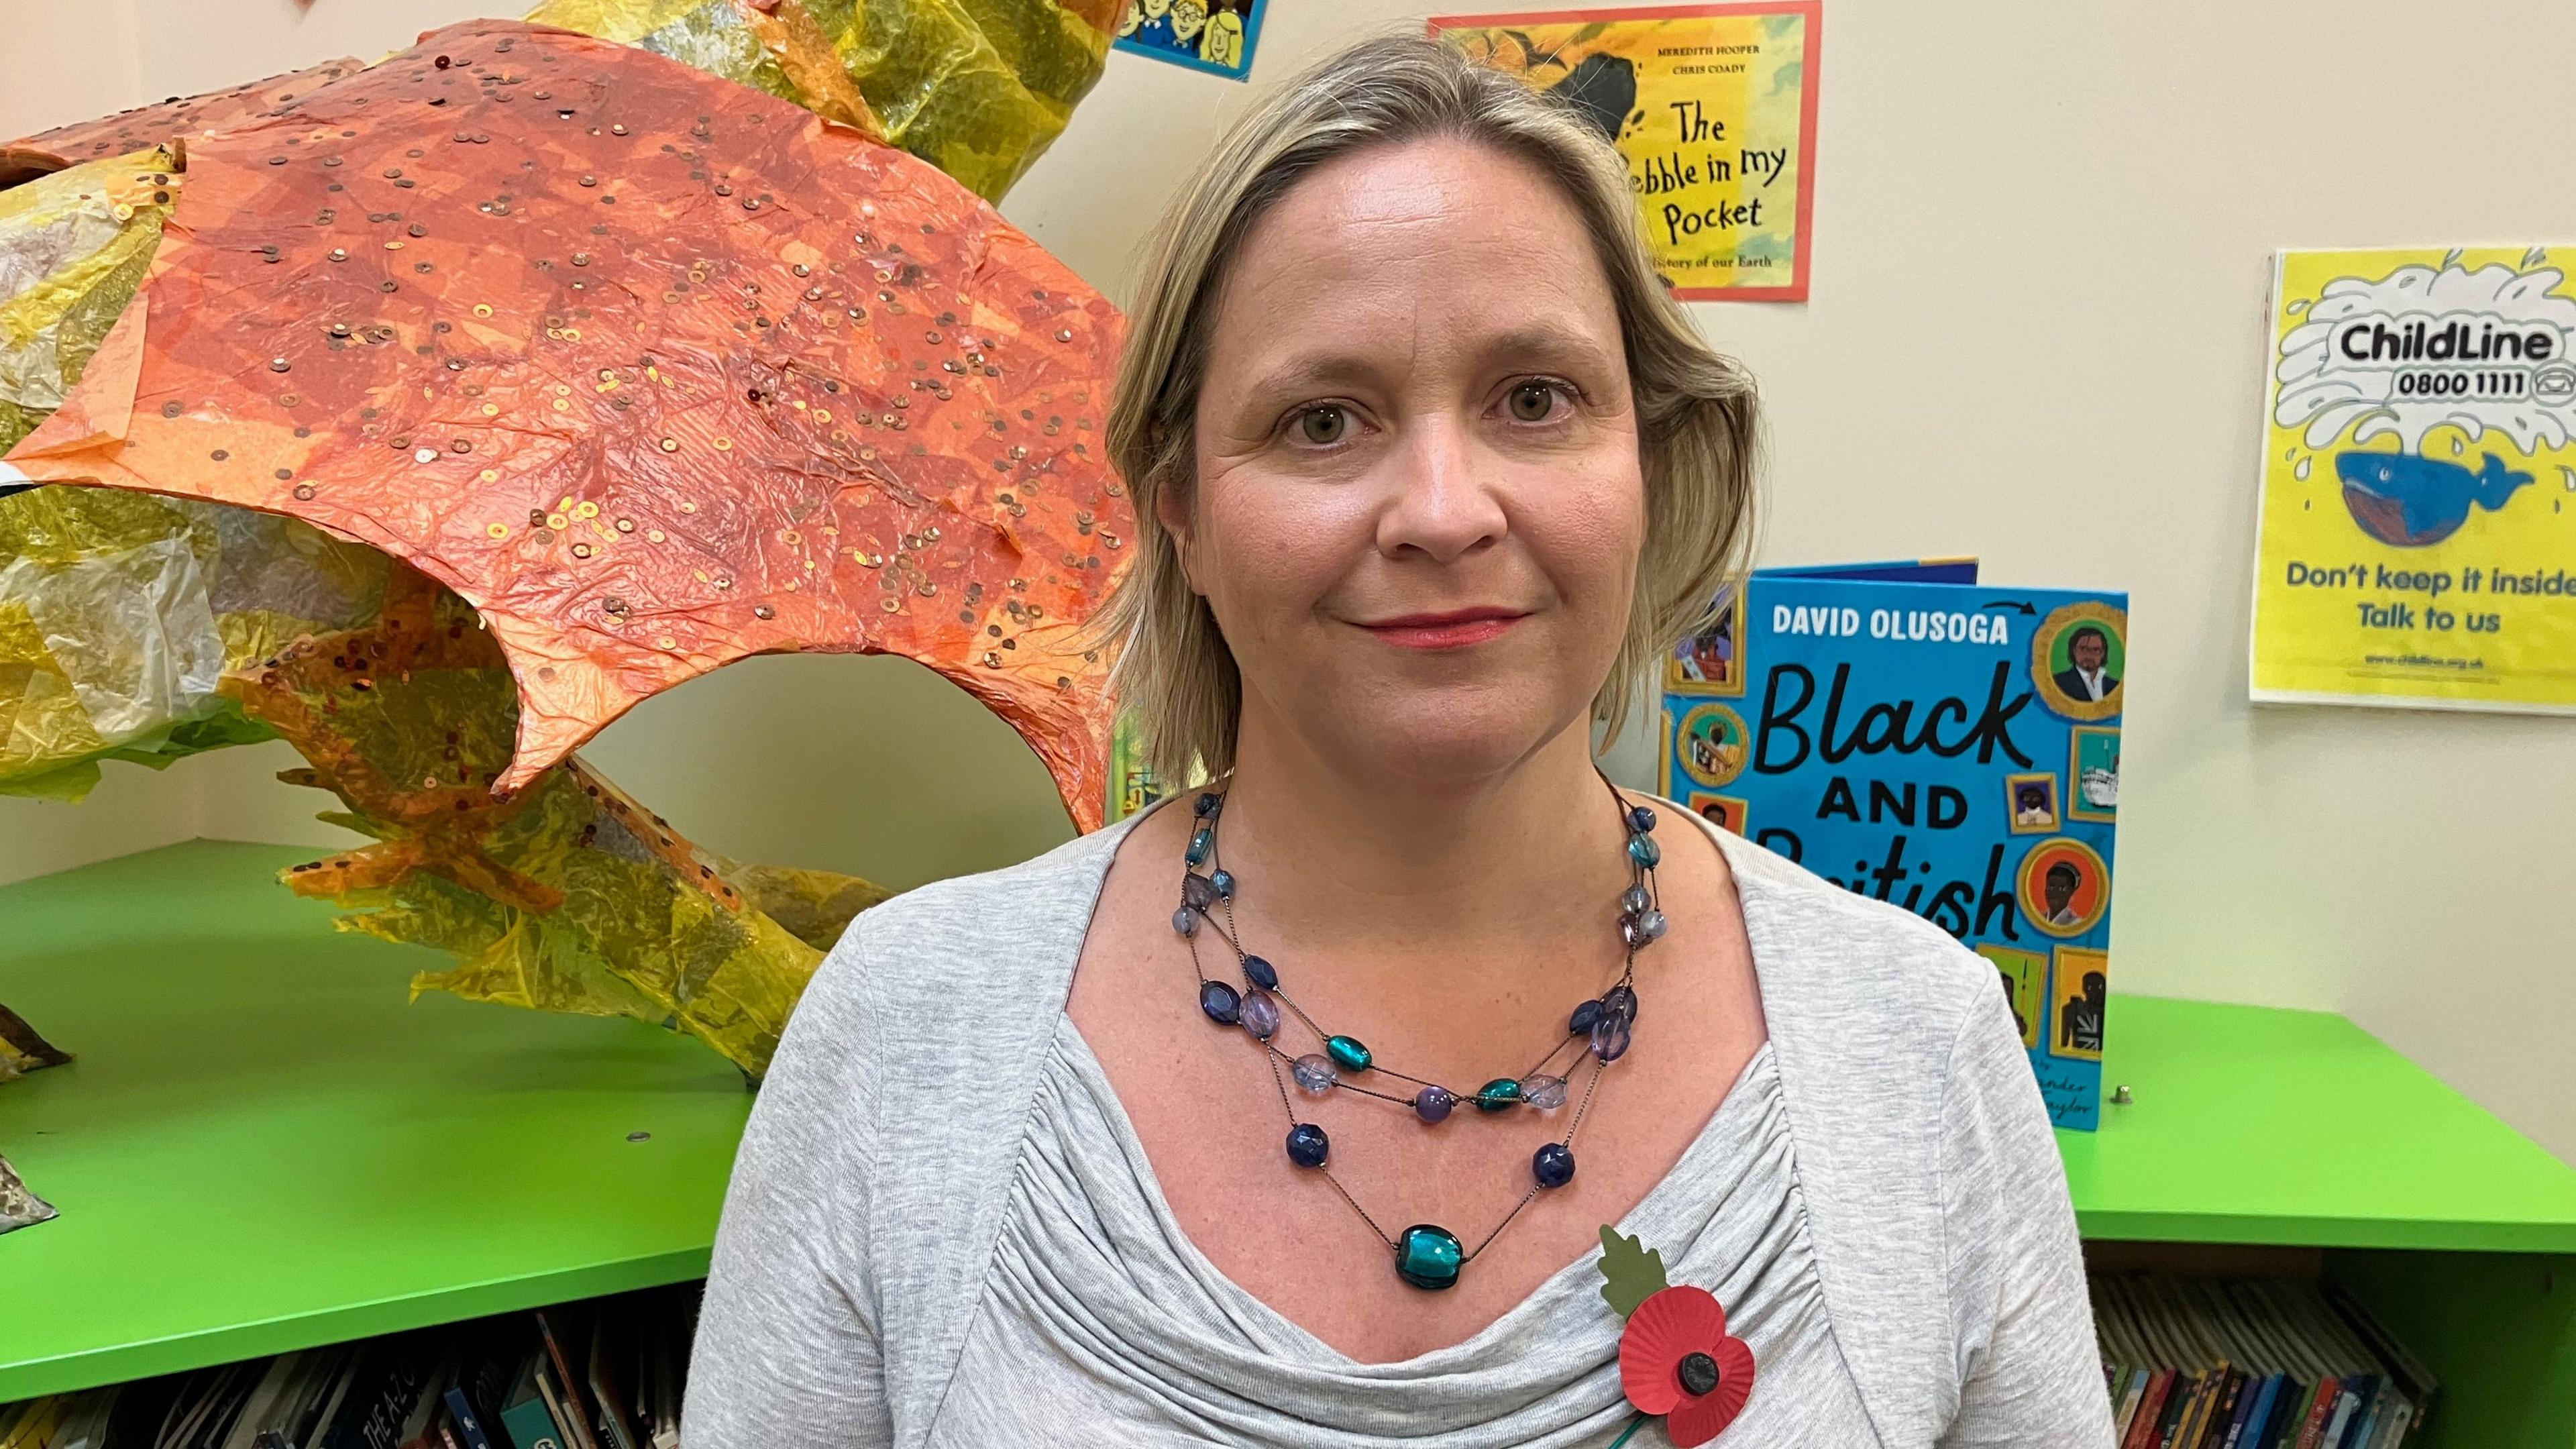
x=1419 y=503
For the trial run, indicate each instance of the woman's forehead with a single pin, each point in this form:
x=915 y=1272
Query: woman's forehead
x=1427 y=244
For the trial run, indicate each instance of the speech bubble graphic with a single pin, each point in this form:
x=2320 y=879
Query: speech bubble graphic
x=2483 y=351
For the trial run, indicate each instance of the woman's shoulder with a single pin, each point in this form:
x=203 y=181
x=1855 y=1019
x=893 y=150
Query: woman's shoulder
x=1007 y=931
x=927 y=991
x=1850 y=967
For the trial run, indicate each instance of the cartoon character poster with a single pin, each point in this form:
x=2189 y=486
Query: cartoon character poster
x=1714 y=107
x=2418 y=523
x=1947 y=748
x=1209 y=35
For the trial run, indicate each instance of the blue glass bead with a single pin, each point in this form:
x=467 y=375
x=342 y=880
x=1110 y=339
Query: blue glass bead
x=1223 y=882
x=1196 y=892
x=1544 y=1092
x=1584 y=1015
x=1260 y=1014
x=1428 y=1257
x=1205 y=841
x=1314 y=1074
x=1641 y=820
x=1641 y=849
x=1308 y=1146
x=1552 y=1165
x=1652 y=925
x=1498 y=1095
x=1432 y=1104
x=1185 y=921
x=1621 y=1002
x=1610 y=1037
x=1634 y=900
x=1348 y=1054
x=1220 y=1003
x=1260 y=973
x=1208 y=802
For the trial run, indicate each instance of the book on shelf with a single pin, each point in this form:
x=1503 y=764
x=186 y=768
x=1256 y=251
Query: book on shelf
x=2194 y=1363
x=1944 y=746
x=489 y=1384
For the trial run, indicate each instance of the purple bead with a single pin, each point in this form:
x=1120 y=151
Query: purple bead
x=1307 y=1145
x=1620 y=1001
x=1584 y=1015
x=1631 y=934
x=1260 y=973
x=1220 y=1003
x=1314 y=1073
x=1553 y=1165
x=1610 y=1037
x=1641 y=819
x=1185 y=921
x=1433 y=1104
x=1543 y=1092
x=1260 y=1014
x=1207 y=804
x=1196 y=892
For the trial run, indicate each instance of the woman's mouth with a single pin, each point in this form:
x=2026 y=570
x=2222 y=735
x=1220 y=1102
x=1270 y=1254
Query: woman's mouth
x=1454 y=629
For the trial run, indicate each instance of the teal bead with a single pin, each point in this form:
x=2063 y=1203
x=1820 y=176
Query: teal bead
x=1348 y=1054
x=1428 y=1257
x=1643 y=850
x=1200 y=845
x=1499 y=1095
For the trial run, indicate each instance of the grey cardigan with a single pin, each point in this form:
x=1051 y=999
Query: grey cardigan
x=873 y=1181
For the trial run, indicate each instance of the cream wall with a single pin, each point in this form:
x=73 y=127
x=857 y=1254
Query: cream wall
x=2042 y=234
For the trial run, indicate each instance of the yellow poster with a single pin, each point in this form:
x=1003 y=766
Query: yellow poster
x=1714 y=107
x=2418 y=543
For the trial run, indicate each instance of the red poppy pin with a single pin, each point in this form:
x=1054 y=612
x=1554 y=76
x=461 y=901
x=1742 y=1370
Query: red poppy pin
x=1675 y=1356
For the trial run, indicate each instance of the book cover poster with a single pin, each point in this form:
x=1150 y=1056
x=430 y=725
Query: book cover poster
x=1714 y=107
x=1209 y=35
x=1951 y=749
x=2418 y=528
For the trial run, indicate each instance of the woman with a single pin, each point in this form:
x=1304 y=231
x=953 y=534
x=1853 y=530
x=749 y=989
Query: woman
x=1431 y=474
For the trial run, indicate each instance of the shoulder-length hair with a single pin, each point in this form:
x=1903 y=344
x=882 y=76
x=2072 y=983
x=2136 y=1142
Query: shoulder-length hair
x=1696 y=412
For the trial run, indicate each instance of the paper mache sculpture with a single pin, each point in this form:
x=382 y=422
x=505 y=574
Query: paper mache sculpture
x=433 y=413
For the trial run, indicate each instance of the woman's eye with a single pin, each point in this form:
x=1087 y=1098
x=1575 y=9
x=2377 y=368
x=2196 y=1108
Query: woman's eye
x=1323 y=426
x=1532 y=402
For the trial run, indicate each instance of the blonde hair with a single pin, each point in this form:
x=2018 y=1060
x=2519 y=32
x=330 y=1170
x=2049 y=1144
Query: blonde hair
x=1695 y=408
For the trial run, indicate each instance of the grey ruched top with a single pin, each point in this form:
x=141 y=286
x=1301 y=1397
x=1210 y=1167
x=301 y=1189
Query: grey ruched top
x=1877 y=1201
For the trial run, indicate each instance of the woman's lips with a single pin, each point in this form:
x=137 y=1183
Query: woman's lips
x=1456 y=629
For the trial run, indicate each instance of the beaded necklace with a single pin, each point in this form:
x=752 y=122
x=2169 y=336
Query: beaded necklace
x=1427 y=1256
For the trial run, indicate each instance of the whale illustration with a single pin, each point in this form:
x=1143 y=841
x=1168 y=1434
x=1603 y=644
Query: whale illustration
x=2410 y=502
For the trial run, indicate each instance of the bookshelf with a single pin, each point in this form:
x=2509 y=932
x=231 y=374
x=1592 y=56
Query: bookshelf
x=263 y=1148
x=260 y=1147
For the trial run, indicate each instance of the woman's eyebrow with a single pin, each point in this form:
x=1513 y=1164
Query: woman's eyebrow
x=1544 y=344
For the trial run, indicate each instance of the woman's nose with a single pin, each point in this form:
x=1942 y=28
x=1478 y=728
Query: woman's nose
x=1441 y=504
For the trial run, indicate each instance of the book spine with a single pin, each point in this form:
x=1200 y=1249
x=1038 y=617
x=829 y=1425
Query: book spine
x=460 y=1411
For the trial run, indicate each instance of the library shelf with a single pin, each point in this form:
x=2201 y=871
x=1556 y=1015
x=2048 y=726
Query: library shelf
x=265 y=1145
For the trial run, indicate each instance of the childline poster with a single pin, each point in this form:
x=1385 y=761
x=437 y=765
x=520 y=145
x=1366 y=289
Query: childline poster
x=2416 y=544
x=1714 y=107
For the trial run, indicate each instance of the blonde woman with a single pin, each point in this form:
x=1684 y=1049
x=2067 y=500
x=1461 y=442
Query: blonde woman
x=1257 y=1119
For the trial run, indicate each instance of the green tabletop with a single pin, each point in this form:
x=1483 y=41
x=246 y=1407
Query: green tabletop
x=261 y=1146
x=2257 y=1125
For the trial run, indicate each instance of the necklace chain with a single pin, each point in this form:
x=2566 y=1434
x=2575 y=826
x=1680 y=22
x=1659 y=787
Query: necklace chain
x=1603 y=1023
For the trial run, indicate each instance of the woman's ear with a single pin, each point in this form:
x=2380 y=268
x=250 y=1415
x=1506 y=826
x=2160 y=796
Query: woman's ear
x=1172 y=510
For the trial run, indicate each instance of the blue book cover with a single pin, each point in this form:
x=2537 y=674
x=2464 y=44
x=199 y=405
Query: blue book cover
x=1947 y=747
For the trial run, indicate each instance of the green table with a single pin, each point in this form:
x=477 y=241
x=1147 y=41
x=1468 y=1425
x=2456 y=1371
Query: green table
x=263 y=1146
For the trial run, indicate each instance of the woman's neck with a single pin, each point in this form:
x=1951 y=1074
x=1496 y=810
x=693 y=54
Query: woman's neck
x=1344 y=862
